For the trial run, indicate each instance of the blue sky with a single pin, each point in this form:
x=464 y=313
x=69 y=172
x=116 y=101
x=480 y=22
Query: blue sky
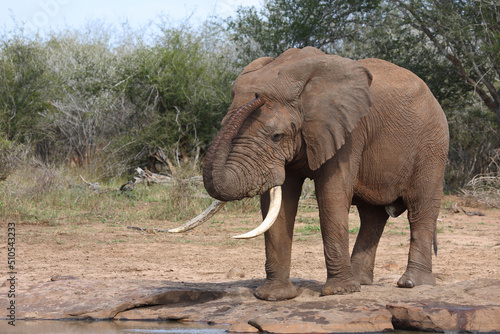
x=43 y=15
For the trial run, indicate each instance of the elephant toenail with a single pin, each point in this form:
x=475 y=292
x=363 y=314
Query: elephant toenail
x=409 y=284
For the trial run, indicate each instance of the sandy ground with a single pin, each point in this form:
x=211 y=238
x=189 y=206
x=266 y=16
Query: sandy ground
x=469 y=248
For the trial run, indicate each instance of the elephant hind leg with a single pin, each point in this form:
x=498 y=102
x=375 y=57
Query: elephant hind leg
x=422 y=220
x=373 y=219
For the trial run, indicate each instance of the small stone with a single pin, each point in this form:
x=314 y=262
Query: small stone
x=391 y=266
x=235 y=273
x=62 y=278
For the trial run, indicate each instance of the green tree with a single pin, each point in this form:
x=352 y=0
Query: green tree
x=179 y=88
x=283 y=24
x=467 y=34
x=89 y=106
x=107 y=98
x=23 y=88
x=462 y=39
x=430 y=37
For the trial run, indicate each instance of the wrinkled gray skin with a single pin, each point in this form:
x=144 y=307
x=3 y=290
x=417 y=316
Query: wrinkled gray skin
x=368 y=133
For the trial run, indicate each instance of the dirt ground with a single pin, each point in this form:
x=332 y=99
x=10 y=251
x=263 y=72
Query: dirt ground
x=469 y=248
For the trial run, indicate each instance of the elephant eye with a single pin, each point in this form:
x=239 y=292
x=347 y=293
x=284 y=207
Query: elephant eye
x=276 y=137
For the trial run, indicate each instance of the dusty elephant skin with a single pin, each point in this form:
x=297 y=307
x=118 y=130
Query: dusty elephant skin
x=368 y=133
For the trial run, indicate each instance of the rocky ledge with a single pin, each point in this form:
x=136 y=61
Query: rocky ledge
x=469 y=306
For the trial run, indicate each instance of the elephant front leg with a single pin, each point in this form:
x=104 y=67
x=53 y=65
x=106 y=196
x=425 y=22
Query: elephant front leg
x=278 y=241
x=334 y=211
x=340 y=279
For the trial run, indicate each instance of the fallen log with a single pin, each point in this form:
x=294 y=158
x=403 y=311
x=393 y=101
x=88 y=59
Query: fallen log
x=148 y=177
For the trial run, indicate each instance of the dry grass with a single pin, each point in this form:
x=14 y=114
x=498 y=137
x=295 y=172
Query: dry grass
x=37 y=194
x=483 y=190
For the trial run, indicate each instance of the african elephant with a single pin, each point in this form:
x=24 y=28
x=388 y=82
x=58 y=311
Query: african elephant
x=369 y=133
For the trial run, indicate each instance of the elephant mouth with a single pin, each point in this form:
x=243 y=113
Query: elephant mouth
x=272 y=215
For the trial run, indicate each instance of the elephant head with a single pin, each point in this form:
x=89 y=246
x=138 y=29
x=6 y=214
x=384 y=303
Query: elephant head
x=303 y=102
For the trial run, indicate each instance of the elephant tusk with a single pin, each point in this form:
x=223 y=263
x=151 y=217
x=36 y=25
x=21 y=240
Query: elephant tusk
x=272 y=214
x=201 y=218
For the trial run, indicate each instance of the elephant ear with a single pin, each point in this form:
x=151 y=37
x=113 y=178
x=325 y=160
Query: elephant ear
x=335 y=97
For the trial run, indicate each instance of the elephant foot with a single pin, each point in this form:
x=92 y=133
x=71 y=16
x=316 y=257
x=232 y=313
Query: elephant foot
x=276 y=290
x=364 y=278
x=336 y=287
x=412 y=278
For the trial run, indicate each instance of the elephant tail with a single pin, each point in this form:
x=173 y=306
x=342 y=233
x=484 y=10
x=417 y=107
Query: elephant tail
x=435 y=242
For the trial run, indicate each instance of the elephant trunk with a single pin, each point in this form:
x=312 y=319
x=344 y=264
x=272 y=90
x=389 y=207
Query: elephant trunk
x=216 y=178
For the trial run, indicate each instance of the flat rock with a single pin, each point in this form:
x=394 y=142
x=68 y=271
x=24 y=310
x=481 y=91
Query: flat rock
x=465 y=306
x=445 y=317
